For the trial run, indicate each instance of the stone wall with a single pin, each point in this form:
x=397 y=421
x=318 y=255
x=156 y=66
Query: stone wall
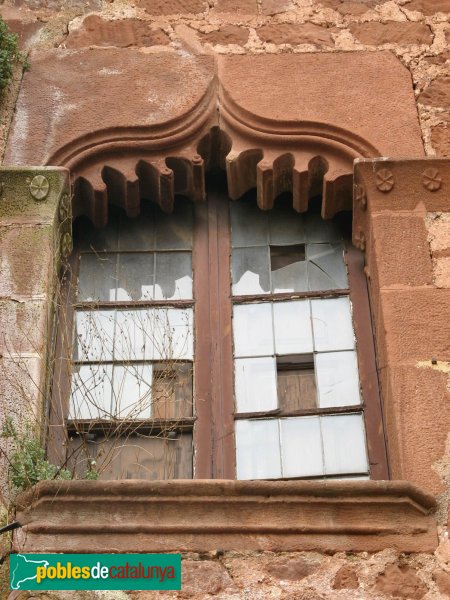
x=418 y=33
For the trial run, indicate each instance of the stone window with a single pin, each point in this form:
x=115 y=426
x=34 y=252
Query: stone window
x=217 y=342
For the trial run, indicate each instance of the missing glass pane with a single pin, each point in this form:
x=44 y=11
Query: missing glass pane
x=172 y=390
x=296 y=383
x=284 y=256
x=167 y=455
x=288 y=267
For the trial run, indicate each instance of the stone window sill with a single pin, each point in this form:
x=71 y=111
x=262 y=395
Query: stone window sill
x=201 y=515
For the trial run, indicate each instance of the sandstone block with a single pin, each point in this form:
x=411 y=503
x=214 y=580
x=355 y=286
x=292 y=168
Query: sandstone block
x=346 y=579
x=290 y=33
x=401 y=582
x=429 y=7
x=437 y=93
x=246 y=7
x=125 y=33
x=173 y=7
x=228 y=34
x=205 y=577
x=403 y=34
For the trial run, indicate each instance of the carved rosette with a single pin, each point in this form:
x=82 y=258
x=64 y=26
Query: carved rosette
x=39 y=187
x=384 y=180
x=431 y=179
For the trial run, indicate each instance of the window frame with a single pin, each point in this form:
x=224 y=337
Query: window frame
x=214 y=416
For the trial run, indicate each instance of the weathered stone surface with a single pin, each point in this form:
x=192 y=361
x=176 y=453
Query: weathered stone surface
x=125 y=33
x=291 y=570
x=401 y=582
x=404 y=34
x=159 y=88
x=173 y=7
x=429 y=7
x=442 y=580
x=441 y=272
x=228 y=34
x=281 y=93
x=201 y=515
x=85 y=5
x=23 y=23
x=408 y=261
x=205 y=577
x=275 y=7
x=438 y=226
x=294 y=34
x=247 y=7
x=346 y=579
x=351 y=7
x=437 y=93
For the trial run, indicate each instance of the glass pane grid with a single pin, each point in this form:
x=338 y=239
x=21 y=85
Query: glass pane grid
x=296 y=447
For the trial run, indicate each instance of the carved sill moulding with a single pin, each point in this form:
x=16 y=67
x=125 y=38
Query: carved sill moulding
x=182 y=515
x=277 y=123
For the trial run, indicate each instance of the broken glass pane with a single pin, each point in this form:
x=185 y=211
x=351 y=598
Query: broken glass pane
x=326 y=267
x=250 y=271
x=136 y=276
x=288 y=268
x=173 y=279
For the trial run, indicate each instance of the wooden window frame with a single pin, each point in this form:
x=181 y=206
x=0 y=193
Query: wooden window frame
x=214 y=453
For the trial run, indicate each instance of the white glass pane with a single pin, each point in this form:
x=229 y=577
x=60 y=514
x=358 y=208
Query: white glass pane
x=286 y=226
x=136 y=276
x=332 y=324
x=173 y=334
x=249 y=225
x=132 y=385
x=301 y=447
x=173 y=279
x=252 y=328
x=97 y=279
x=134 y=335
x=256 y=384
x=250 y=270
x=91 y=392
x=258 y=449
x=326 y=267
x=174 y=230
x=344 y=444
x=138 y=233
x=94 y=335
x=337 y=379
x=293 y=332
x=318 y=230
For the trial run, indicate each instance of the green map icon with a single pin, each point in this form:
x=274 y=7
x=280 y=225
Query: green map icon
x=23 y=569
